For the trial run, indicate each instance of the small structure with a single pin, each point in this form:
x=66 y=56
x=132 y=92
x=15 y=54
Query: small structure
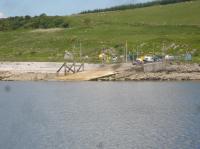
x=72 y=66
x=68 y=56
x=188 y=57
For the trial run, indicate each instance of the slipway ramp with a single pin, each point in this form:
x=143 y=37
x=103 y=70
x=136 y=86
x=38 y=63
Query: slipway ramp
x=87 y=75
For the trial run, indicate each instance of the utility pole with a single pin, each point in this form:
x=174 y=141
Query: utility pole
x=126 y=51
x=153 y=50
x=163 y=51
x=137 y=52
x=80 y=50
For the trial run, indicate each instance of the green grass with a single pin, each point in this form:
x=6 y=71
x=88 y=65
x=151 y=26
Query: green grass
x=152 y=27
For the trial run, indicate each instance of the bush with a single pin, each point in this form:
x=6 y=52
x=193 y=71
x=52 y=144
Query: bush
x=42 y=21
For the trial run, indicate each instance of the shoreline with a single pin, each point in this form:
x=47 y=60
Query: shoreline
x=46 y=71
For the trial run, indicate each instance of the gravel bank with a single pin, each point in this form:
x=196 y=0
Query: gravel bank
x=34 y=71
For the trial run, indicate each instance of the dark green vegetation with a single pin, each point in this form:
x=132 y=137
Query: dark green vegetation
x=27 y=22
x=174 y=26
x=133 y=6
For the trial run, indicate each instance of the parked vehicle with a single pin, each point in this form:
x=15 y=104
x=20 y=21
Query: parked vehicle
x=148 y=59
x=157 y=58
x=137 y=62
x=169 y=57
x=114 y=59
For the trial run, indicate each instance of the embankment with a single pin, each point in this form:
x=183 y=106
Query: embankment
x=34 y=71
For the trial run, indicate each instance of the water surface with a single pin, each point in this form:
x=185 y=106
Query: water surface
x=99 y=115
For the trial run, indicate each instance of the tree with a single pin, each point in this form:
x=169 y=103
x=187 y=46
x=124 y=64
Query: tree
x=27 y=17
x=42 y=21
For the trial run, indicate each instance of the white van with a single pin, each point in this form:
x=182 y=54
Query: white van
x=148 y=59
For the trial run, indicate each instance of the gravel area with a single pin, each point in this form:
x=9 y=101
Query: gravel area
x=121 y=72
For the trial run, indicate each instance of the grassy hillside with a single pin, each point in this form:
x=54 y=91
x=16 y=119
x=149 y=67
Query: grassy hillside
x=146 y=29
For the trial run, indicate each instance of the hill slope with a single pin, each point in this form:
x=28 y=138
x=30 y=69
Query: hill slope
x=176 y=26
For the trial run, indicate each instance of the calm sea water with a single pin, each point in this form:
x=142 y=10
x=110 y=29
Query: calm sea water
x=99 y=115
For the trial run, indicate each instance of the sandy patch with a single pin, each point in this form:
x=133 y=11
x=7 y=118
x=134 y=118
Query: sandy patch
x=50 y=30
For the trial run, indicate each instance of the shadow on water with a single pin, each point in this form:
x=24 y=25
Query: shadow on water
x=7 y=88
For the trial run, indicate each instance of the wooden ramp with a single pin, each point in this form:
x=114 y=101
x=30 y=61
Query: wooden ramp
x=87 y=75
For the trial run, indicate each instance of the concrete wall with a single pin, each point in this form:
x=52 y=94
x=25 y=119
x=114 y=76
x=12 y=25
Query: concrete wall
x=154 y=67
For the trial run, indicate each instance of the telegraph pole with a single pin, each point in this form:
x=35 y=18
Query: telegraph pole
x=80 y=50
x=126 y=51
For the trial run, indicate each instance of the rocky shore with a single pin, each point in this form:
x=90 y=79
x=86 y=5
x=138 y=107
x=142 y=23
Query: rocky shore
x=172 y=72
x=160 y=76
x=117 y=72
